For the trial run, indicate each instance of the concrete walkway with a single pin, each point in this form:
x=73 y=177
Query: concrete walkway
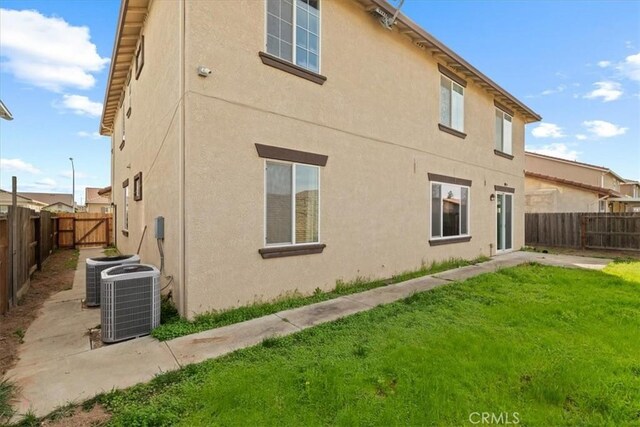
x=57 y=366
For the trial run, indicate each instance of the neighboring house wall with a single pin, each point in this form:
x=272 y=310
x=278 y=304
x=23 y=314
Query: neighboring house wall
x=544 y=196
x=630 y=189
x=567 y=169
x=376 y=118
x=6 y=200
x=98 y=207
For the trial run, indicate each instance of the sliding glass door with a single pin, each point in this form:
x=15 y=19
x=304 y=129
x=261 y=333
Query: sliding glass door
x=504 y=221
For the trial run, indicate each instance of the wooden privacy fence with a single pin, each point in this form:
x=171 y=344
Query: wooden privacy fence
x=619 y=231
x=37 y=235
x=35 y=240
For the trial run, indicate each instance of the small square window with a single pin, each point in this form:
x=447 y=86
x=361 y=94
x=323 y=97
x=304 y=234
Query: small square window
x=137 y=187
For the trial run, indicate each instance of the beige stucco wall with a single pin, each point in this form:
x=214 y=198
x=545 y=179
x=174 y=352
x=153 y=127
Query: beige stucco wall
x=152 y=145
x=544 y=196
x=375 y=117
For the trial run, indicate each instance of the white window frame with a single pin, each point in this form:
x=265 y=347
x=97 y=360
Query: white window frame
x=125 y=209
x=294 y=35
x=293 y=205
x=432 y=237
x=502 y=142
x=451 y=86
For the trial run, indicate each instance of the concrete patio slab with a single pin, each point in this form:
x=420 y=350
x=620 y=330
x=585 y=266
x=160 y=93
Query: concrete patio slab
x=217 y=342
x=81 y=376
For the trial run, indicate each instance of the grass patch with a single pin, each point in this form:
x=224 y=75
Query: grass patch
x=554 y=345
x=71 y=262
x=625 y=269
x=174 y=326
x=111 y=251
x=7 y=393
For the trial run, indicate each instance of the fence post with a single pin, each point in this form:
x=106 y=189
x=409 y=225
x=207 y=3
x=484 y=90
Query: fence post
x=38 y=226
x=14 y=241
x=583 y=231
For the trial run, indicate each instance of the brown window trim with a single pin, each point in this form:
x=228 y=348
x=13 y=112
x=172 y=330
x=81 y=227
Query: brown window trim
x=504 y=189
x=140 y=57
x=449 y=179
x=453 y=76
x=125 y=233
x=447 y=129
x=503 y=107
x=503 y=154
x=137 y=177
x=125 y=183
x=445 y=241
x=289 y=155
x=294 y=250
x=281 y=64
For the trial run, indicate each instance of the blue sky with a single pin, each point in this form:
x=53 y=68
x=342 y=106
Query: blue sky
x=575 y=63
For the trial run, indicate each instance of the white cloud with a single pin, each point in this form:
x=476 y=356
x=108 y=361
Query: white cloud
x=607 y=90
x=92 y=135
x=69 y=174
x=547 y=130
x=82 y=105
x=604 y=64
x=630 y=67
x=603 y=129
x=48 y=52
x=18 y=165
x=581 y=137
x=558 y=89
x=556 y=150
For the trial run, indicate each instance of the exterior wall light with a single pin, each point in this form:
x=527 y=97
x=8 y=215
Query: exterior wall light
x=492 y=197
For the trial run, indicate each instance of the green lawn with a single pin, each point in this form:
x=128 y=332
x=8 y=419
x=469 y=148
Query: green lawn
x=557 y=346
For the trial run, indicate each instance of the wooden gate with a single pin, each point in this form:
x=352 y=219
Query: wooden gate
x=84 y=229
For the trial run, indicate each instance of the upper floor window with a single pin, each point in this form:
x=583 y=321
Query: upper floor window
x=451 y=104
x=503 y=132
x=293 y=32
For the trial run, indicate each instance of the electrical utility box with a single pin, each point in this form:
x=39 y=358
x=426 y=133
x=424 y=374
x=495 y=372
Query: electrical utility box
x=159 y=227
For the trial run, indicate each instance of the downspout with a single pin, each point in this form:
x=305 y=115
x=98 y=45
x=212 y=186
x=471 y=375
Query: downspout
x=181 y=214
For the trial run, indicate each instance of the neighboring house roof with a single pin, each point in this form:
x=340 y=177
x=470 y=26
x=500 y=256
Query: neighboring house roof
x=4 y=112
x=58 y=203
x=134 y=12
x=573 y=162
x=49 y=198
x=593 y=188
x=92 y=195
x=106 y=191
x=26 y=199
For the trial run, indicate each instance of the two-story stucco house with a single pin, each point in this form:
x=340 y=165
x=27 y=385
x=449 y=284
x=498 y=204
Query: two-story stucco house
x=289 y=144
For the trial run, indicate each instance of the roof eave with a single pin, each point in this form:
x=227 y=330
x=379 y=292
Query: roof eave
x=425 y=40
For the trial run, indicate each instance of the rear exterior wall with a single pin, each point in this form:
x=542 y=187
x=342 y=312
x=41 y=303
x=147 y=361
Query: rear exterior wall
x=376 y=118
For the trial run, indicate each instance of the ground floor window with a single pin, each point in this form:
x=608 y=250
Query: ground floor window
x=125 y=204
x=449 y=210
x=292 y=203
